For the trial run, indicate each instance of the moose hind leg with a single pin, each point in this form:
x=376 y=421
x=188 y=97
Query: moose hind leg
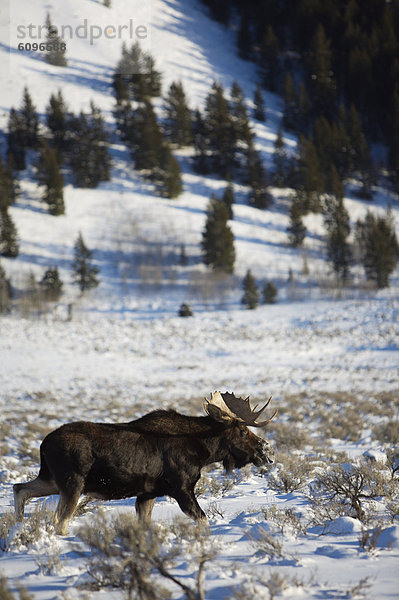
x=144 y=507
x=23 y=492
x=66 y=507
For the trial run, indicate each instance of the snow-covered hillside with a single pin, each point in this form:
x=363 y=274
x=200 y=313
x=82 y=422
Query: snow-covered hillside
x=125 y=350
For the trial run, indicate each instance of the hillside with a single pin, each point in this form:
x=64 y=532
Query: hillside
x=328 y=353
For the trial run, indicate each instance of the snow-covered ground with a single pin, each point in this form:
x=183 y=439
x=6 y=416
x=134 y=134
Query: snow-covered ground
x=125 y=350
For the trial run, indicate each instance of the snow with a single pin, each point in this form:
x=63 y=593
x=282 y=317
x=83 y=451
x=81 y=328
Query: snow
x=125 y=350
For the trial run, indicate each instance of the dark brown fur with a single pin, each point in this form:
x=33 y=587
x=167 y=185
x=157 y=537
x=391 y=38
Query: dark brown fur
x=159 y=454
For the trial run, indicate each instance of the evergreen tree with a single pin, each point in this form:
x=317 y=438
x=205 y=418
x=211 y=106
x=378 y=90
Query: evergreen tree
x=50 y=176
x=178 y=126
x=85 y=274
x=228 y=198
x=8 y=235
x=251 y=295
x=239 y=114
x=338 y=229
x=221 y=132
x=89 y=156
x=393 y=154
x=269 y=293
x=16 y=141
x=259 y=196
x=57 y=121
x=151 y=152
x=379 y=247
x=5 y=291
x=135 y=77
x=51 y=284
x=296 y=229
x=55 y=55
x=290 y=110
x=280 y=161
x=259 y=105
x=8 y=186
x=322 y=82
x=200 y=140
x=169 y=178
x=217 y=238
x=30 y=120
x=269 y=60
x=311 y=182
x=360 y=153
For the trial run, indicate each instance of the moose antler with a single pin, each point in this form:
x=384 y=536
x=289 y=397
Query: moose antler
x=227 y=407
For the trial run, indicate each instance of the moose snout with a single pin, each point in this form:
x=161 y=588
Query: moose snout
x=266 y=452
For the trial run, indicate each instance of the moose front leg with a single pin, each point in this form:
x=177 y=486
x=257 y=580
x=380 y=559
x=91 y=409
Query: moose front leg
x=189 y=505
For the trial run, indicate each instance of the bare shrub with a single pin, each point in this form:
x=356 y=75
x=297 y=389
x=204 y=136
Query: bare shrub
x=6 y=594
x=275 y=585
x=285 y=520
x=219 y=484
x=352 y=486
x=290 y=473
x=138 y=557
x=289 y=436
x=14 y=534
x=369 y=538
x=267 y=545
x=387 y=433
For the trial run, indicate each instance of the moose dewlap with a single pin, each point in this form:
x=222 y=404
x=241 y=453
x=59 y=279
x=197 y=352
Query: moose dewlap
x=160 y=454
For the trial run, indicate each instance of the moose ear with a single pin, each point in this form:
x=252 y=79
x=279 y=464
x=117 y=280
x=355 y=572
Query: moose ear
x=215 y=413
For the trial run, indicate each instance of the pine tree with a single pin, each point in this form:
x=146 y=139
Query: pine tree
x=221 y=132
x=280 y=161
x=145 y=137
x=379 y=247
x=239 y=113
x=55 y=55
x=8 y=235
x=30 y=120
x=290 y=110
x=5 y=291
x=259 y=105
x=85 y=273
x=251 y=295
x=169 y=178
x=228 y=198
x=296 y=229
x=201 y=144
x=57 y=122
x=135 y=77
x=89 y=156
x=259 y=196
x=338 y=229
x=269 y=293
x=217 y=238
x=51 y=284
x=178 y=126
x=50 y=176
x=311 y=180
x=8 y=186
x=16 y=141
x=360 y=154
x=269 y=60
x=322 y=82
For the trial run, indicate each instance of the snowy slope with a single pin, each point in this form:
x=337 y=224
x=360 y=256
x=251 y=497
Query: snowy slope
x=125 y=351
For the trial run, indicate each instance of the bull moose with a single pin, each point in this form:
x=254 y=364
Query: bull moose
x=159 y=454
